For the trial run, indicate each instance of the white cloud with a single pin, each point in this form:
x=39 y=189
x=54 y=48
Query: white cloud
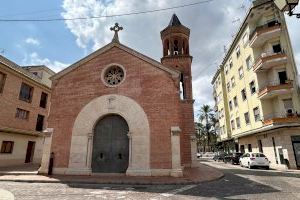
x=202 y=93
x=211 y=26
x=35 y=59
x=32 y=41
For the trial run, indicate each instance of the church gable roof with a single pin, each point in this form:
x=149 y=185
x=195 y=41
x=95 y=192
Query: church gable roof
x=106 y=48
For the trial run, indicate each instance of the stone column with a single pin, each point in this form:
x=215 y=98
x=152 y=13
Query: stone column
x=130 y=150
x=89 y=151
x=176 y=170
x=194 y=151
x=46 y=151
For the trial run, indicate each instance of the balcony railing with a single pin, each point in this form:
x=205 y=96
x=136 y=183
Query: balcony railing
x=270 y=89
x=273 y=28
x=281 y=118
x=215 y=108
x=269 y=60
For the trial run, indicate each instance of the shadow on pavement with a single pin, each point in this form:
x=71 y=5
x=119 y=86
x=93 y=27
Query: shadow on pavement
x=225 y=188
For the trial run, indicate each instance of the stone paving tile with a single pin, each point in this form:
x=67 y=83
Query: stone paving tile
x=237 y=183
x=201 y=173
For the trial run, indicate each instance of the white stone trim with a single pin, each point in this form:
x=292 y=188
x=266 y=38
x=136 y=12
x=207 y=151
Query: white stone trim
x=193 y=140
x=46 y=151
x=88 y=117
x=105 y=69
x=107 y=48
x=176 y=157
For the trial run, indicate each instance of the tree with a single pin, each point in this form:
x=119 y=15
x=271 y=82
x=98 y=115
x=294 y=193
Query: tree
x=206 y=125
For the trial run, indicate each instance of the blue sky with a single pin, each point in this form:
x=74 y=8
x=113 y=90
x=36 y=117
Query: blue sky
x=58 y=44
x=55 y=40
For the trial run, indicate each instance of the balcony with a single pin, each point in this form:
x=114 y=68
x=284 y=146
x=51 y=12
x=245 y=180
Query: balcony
x=272 y=89
x=268 y=60
x=215 y=108
x=264 y=33
x=281 y=118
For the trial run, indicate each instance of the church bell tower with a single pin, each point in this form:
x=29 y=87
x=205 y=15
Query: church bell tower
x=176 y=54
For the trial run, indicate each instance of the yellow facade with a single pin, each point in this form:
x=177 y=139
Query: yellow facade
x=258 y=77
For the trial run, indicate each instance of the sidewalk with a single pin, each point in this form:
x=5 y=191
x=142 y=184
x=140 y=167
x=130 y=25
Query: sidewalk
x=218 y=165
x=200 y=174
x=25 y=169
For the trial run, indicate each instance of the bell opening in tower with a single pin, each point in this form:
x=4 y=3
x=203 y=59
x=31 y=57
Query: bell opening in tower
x=181 y=88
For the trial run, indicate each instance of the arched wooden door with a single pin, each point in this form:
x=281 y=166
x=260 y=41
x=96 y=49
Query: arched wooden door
x=110 y=145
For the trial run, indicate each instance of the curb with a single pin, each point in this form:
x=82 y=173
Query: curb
x=182 y=181
x=187 y=182
x=100 y=183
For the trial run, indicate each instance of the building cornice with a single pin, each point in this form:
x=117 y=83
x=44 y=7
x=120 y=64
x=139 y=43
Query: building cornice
x=22 y=73
x=21 y=132
x=265 y=129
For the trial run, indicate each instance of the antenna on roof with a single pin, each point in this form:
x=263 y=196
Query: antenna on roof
x=225 y=49
x=2 y=51
x=243 y=7
x=236 y=20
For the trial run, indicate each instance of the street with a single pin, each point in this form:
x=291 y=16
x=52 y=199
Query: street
x=238 y=183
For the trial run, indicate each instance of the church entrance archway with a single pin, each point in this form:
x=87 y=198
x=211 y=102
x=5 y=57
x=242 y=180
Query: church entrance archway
x=110 y=145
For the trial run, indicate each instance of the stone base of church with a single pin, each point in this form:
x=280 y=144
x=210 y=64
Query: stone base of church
x=176 y=173
x=138 y=172
x=129 y=172
x=79 y=171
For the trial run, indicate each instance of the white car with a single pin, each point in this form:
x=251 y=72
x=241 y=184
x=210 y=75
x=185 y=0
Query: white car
x=199 y=155
x=251 y=160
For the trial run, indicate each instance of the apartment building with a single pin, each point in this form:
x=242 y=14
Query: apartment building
x=24 y=108
x=256 y=89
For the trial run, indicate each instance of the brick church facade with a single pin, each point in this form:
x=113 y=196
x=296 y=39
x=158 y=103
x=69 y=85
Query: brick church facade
x=118 y=111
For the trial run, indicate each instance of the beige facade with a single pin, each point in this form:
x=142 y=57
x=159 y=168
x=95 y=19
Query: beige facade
x=18 y=154
x=42 y=72
x=24 y=108
x=256 y=88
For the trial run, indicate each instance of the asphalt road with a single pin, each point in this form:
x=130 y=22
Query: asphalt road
x=238 y=183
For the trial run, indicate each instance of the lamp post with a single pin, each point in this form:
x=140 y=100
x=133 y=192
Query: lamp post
x=287 y=6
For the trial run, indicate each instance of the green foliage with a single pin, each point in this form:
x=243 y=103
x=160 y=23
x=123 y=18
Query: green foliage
x=206 y=131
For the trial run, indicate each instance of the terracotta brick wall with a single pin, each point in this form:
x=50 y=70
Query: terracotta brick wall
x=183 y=64
x=188 y=129
x=9 y=102
x=153 y=89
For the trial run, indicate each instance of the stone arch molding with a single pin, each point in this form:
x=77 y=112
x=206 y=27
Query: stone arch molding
x=83 y=130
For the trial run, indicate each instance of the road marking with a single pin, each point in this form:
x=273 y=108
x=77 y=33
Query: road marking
x=176 y=191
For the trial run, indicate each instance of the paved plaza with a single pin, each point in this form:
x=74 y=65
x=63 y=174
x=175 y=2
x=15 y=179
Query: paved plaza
x=237 y=183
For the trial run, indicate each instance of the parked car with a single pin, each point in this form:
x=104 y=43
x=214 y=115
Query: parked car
x=233 y=158
x=251 y=160
x=208 y=155
x=199 y=155
x=220 y=156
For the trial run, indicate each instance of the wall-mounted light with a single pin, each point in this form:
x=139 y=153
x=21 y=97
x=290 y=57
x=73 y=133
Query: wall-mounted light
x=287 y=6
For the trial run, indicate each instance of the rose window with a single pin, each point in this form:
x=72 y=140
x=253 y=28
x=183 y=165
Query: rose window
x=114 y=75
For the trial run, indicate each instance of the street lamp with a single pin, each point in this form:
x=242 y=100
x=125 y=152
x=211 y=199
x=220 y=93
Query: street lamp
x=287 y=6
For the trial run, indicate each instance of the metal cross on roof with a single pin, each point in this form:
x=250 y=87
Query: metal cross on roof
x=116 y=29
